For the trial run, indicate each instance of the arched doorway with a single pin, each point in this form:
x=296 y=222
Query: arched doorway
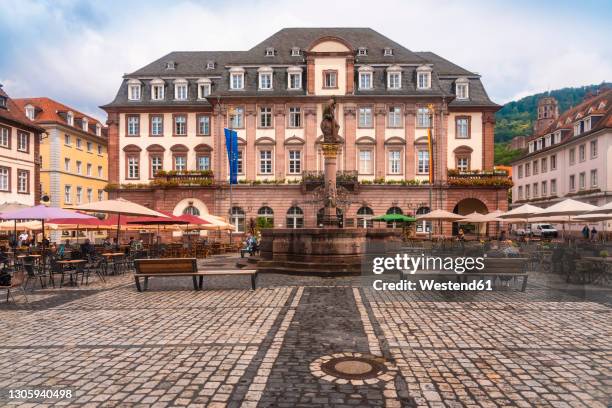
x=339 y=214
x=364 y=217
x=393 y=210
x=295 y=217
x=265 y=217
x=465 y=207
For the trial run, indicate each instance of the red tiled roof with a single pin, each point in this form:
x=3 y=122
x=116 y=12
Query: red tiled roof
x=14 y=114
x=48 y=110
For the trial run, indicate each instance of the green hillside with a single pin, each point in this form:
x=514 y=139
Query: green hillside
x=516 y=117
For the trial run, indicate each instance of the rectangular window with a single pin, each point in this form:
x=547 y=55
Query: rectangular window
x=572 y=182
x=527 y=169
x=582 y=180
x=23 y=181
x=394 y=80
x=79 y=195
x=100 y=172
x=295 y=81
x=89 y=195
x=89 y=146
x=89 y=169
x=157 y=92
x=365 y=117
x=157 y=125
x=365 y=162
x=544 y=165
x=582 y=153
x=394 y=117
x=180 y=163
x=365 y=80
x=133 y=167
x=23 y=142
x=67 y=194
x=265 y=117
x=5 y=137
x=553 y=162
x=265 y=80
x=535 y=167
x=295 y=117
x=203 y=162
x=423 y=80
x=5 y=179
x=133 y=126
x=100 y=149
x=544 y=187
x=180 y=125
x=240 y=161
x=67 y=165
x=157 y=164
x=462 y=91
x=423 y=118
x=79 y=143
x=557 y=138
x=134 y=92
x=180 y=92
x=295 y=161
x=594 y=178
x=572 y=156
x=593 y=148
x=520 y=171
x=553 y=187
x=237 y=118
x=527 y=192
x=265 y=161
x=204 y=125
x=330 y=79
x=520 y=192
x=79 y=167
x=422 y=161
x=237 y=81
x=395 y=162
x=203 y=91
x=463 y=163
x=100 y=195
x=462 y=126
x=535 y=190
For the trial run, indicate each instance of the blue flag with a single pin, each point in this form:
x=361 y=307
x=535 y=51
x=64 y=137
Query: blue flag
x=231 y=143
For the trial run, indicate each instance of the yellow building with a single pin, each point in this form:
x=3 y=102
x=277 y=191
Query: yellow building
x=73 y=152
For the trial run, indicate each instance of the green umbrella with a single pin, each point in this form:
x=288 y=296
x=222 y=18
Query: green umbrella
x=394 y=218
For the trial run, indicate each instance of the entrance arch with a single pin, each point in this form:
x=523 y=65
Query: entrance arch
x=192 y=205
x=468 y=206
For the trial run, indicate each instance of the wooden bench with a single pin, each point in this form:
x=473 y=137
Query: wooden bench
x=168 y=267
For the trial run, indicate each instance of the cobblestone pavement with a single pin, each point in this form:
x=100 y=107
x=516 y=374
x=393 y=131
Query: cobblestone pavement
x=229 y=346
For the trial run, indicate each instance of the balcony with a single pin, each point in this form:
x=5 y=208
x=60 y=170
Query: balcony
x=478 y=178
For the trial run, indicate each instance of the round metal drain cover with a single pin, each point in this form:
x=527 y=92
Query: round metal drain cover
x=353 y=368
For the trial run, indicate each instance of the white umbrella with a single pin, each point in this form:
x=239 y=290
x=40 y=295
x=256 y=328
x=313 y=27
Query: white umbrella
x=439 y=215
x=524 y=211
x=478 y=218
x=604 y=209
x=568 y=207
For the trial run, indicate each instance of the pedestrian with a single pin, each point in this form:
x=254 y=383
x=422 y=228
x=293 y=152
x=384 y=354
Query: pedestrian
x=585 y=233
x=593 y=234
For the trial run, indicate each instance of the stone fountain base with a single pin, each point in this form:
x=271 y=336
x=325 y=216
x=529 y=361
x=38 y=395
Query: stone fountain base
x=323 y=251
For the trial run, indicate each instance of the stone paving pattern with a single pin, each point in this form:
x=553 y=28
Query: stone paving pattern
x=229 y=346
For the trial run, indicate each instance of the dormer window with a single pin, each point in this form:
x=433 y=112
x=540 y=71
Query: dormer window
x=557 y=138
x=269 y=52
x=210 y=65
x=576 y=128
x=170 y=65
x=462 y=88
x=3 y=102
x=365 y=78
x=394 y=77
x=362 y=51
x=423 y=77
x=98 y=129
x=237 y=78
x=530 y=147
x=85 y=124
x=180 y=89
x=157 y=89
x=265 y=77
x=296 y=52
x=586 y=124
x=547 y=141
x=134 y=88
x=30 y=112
x=204 y=88
x=70 y=118
x=388 y=51
x=294 y=78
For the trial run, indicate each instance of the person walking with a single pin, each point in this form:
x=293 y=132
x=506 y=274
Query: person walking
x=585 y=233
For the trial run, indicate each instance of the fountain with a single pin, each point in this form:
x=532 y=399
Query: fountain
x=329 y=250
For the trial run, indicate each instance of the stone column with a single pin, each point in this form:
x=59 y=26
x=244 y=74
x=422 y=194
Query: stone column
x=310 y=134
x=330 y=153
x=248 y=163
x=350 y=131
x=220 y=154
x=279 y=136
x=380 y=125
x=488 y=142
x=409 y=153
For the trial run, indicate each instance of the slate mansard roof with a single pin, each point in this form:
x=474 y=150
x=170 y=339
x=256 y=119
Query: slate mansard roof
x=194 y=65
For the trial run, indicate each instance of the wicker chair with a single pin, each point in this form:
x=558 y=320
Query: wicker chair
x=17 y=282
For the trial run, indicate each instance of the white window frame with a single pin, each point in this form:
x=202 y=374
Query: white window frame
x=395 y=161
x=5 y=136
x=424 y=77
x=295 y=161
x=593 y=176
x=23 y=141
x=593 y=148
x=394 y=116
x=266 y=165
x=89 y=169
x=365 y=119
x=394 y=83
x=265 y=81
x=423 y=118
x=204 y=88
x=157 y=125
x=181 y=90
x=70 y=118
x=365 y=80
x=553 y=186
x=236 y=78
x=133 y=168
x=23 y=181
x=365 y=161
x=422 y=161
x=295 y=117
x=67 y=194
x=294 y=85
x=158 y=90
x=265 y=117
x=5 y=178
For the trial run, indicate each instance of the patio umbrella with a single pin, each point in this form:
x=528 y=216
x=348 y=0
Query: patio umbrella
x=394 y=218
x=524 y=211
x=568 y=208
x=604 y=209
x=169 y=220
x=215 y=223
x=478 y=218
x=119 y=207
x=439 y=215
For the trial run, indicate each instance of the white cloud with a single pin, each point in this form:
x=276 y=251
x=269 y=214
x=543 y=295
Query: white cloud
x=77 y=52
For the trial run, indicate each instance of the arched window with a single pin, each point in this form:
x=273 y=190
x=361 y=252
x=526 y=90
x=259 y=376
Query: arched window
x=191 y=210
x=295 y=218
x=423 y=226
x=265 y=217
x=237 y=219
x=393 y=210
x=364 y=217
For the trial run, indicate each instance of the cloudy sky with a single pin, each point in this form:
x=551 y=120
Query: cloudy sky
x=77 y=50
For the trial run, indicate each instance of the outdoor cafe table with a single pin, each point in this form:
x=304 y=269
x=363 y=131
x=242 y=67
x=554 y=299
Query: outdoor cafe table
x=70 y=262
x=112 y=255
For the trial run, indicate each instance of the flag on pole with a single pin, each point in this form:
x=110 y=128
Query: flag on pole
x=430 y=152
x=231 y=143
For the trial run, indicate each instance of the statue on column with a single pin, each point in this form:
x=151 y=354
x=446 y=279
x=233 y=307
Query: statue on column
x=329 y=125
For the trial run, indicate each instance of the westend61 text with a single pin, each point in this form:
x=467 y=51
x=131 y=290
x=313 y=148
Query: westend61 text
x=432 y=284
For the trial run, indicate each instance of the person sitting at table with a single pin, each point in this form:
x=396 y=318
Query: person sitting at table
x=87 y=249
x=62 y=248
x=23 y=239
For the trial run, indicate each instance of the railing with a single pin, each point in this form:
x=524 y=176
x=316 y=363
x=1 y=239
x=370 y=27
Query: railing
x=496 y=178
